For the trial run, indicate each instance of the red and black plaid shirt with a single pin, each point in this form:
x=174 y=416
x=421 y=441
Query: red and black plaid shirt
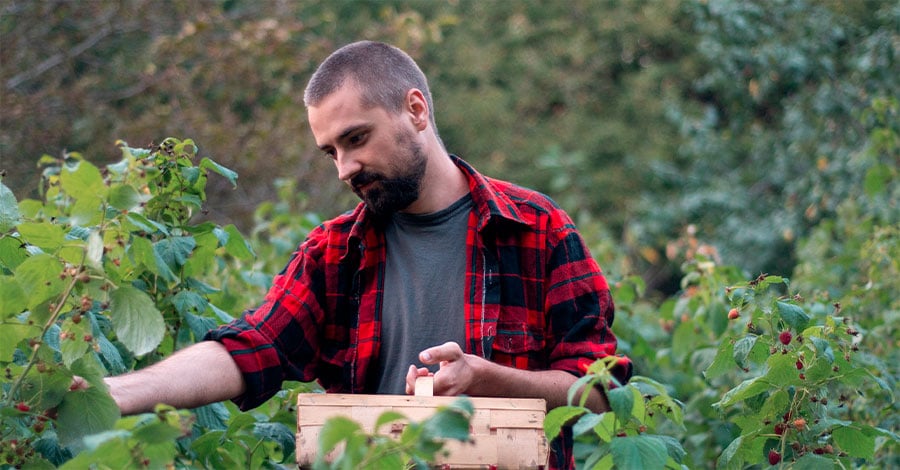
x=535 y=299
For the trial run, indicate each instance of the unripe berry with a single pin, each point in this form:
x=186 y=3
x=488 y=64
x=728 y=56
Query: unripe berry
x=733 y=314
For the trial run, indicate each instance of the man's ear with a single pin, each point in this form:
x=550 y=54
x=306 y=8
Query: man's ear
x=417 y=108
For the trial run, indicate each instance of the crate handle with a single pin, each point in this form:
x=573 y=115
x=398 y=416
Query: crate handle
x=425 y=386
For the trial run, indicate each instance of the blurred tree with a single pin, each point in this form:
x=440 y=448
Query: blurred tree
x=771 y=126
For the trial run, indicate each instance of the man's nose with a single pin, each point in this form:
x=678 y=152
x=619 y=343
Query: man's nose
x=347 y=166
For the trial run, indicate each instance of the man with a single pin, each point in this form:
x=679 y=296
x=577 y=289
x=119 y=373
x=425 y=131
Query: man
x=438 y=270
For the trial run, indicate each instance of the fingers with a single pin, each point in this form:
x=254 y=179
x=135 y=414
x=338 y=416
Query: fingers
x=447 y=352
x=411 y=375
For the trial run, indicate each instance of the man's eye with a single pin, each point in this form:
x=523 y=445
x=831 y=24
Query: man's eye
x=329 y=154
x=357 y=139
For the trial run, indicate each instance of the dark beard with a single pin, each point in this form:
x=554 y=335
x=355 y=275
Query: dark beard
x=389 y=195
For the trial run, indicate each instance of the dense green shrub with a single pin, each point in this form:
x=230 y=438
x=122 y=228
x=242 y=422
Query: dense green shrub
x=109 y=271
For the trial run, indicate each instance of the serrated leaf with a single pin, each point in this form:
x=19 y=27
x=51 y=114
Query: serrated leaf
x=11 y=334
x=12 y=253
x=124 y=197
x=237 y=246
x=559 y=416
x=447 y=423
x=278 y=433
x=723 y=362
x=83 y=181
x=38 y=277
x=742 y=348
x=746 y=389
x=725 y=458
x=810 y=461
x=174 y=251
x=586 y=423
x=621 y=400
x=12 y=297
x=137 y=322
x=230 y=175
x=45 y=235
x=793 y=315
x=854 y=442
x=157 y=433
x=189 y=302
x=638 y=452
x=335 y=430
x=823 y=349
x=9 y=209
x=388 y=416
x=85 y=412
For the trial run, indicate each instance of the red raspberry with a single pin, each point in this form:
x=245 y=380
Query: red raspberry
x=733 y=313
x=799 y=364
x=23 y=407
x=774 y=457
x=785 y=337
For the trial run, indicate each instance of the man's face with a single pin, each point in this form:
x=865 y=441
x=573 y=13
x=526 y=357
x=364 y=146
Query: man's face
x=374 y=150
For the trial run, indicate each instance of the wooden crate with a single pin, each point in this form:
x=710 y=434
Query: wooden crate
x=505 y=432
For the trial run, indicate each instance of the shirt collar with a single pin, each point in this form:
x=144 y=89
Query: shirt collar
x=488 y=201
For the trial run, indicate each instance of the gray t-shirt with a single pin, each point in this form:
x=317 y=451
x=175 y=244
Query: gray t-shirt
x=423 y=289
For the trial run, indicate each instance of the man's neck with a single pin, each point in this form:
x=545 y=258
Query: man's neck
x=444 y=183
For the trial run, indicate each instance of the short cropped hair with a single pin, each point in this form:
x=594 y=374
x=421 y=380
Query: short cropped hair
x=382 y=72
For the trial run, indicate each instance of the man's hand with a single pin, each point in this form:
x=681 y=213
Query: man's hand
x=456 y=374
x=478 y=377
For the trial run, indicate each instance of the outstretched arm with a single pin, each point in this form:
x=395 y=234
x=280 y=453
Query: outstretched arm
x=473 y=375
x=200 y=374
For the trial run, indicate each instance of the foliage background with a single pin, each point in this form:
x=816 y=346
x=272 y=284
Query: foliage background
x=760 y=135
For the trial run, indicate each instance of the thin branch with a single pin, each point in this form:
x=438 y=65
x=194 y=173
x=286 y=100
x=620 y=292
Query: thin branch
x=58 y=58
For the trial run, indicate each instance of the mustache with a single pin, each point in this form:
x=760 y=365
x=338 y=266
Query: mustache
x=364 y=178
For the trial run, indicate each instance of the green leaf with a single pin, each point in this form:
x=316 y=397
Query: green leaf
x=746 y=389
x=237 y=246
x=175 y=251
x=335 y=430
x=645 y=452
x=823 y=349
x=12 y=297
x=782 y=370
x=83 y=181
x=157 y=432
x=447 y=423
x=586 y=423
x=9 y=209
x=45 y=235
x=137 y=322
x=725 y=459
x=793 y=315
x=85 y=412
x=12 y=253
x=621 y=400
x=742 y=348
x=684 y=340
x=278 y=433
x=810 y=461
x=124 y=197
x=11 y=334
x=388 y=416
x=877 y=179
x=559 y=417
x=230 y=175
x=854 y=442
x=723 y=362
x=38 y=277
